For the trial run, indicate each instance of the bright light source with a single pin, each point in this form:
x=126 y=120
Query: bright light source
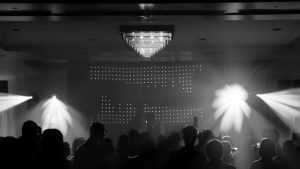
x=56 y=115
x=144 y=6
x=8 y=101
x=286 y=103
x=230 y=102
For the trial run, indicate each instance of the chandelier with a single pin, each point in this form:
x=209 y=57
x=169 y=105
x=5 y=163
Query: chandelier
x=147 y=40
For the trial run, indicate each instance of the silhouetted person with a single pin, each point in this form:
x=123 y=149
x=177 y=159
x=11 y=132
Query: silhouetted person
x=187 y=157
x=267 y=152
x=76 y=143
x=89 y=155
x=146 y=152
x=246 y=154
x=29 y=145
x=39 y=142
x=173 y=141
x=52 y=153
x=227 y=153
x=121 y=159
x=273 y=135
x=229 y=139
x=163 y=152
x=108 y=149
x=214 y=152
x=9 y=153
x=203 y=138
x=67 y=155
x=291 y=157
x=296 y=140
x=133 y=143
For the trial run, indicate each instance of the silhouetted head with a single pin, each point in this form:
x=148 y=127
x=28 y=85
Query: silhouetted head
x=272 y=134
x=207 y=135
x=97 y=131
x=173 y=141
x=289 y=147
x=146 y=137
x=52 y=140
x=227 y=138
x=122 y=145
x=214 y=150
x=296 y=138
x=133 y=133
x=146 y=143
x=267 y=148
x=189 y=134
x=30 y=129
x=226 y=147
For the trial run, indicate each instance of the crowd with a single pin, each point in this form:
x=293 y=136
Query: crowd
x=201 y=150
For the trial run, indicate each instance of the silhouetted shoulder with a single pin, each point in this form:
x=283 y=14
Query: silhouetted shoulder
x=261 y=164
x=183 y=153
x=219 y=166
x=227 y=166
x=189 y=159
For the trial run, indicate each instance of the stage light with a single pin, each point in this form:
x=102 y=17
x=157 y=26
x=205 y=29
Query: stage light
x=56 y=115
x=286 y=103
x=8 y=101
x=230 y=103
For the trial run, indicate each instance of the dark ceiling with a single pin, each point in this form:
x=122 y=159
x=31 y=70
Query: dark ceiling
x=203 y=31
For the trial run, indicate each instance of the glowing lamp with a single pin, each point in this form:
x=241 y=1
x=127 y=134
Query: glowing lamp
x=230 y=102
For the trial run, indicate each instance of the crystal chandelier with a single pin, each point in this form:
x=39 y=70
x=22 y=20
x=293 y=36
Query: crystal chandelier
x=147 y=40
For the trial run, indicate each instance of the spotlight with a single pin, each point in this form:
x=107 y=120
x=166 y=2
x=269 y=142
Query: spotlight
x=56 y=115
x=8 y=101
x=286 y=103
x=230 y=102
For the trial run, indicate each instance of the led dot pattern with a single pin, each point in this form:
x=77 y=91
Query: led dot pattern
x=147 y=75
x=110 y=114
x=169 y=115
x=123 y=114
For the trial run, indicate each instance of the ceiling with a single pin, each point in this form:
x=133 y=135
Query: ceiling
x=208 y=31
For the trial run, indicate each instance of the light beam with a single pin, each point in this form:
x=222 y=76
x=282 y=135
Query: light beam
x=286 y=103
x=56 y=115
x=8 y=101
x=230 y=103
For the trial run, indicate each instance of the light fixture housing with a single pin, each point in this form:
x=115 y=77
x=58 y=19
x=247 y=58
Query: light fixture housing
x=147 y=40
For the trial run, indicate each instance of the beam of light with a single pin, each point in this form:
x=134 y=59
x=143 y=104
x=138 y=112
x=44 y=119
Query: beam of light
x=286 y=103
x=56 y=115
x=8 y=101
x=230 y=103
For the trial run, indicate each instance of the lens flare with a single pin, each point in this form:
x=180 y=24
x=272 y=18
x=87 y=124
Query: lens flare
x=8 y=101
x=56 y=115
x=230 y=102
x=286 y=103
